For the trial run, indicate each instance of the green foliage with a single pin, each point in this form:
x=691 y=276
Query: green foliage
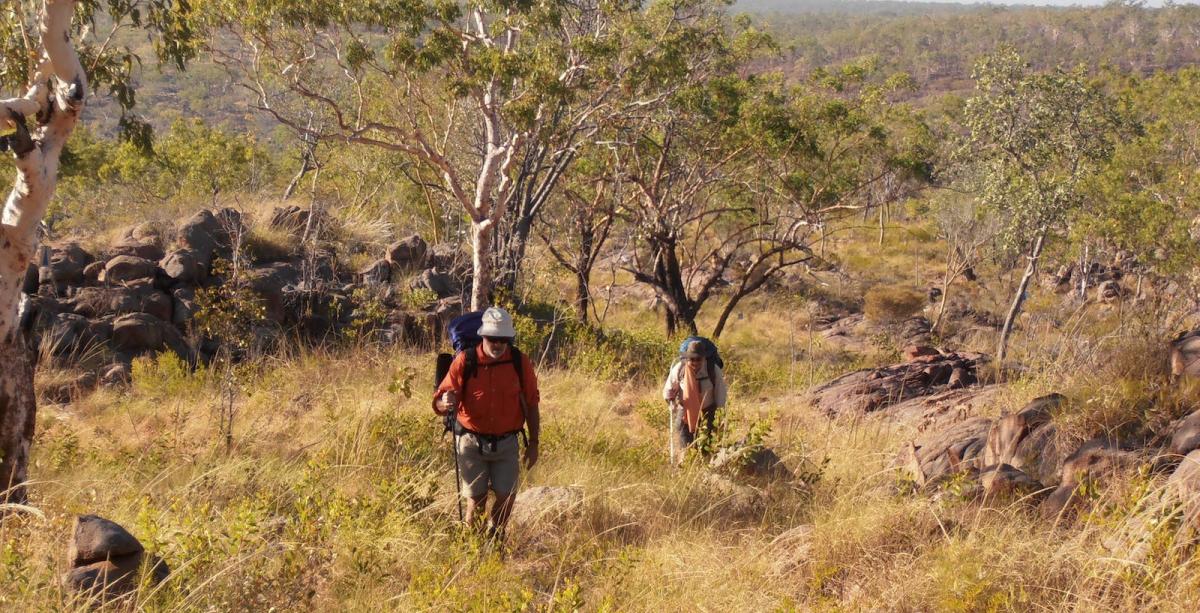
x=111 y=60
x=1035 y=139
x=191 y=159
x=402 y=382
x=749 y=444
x=937 y=43
x=1144 y=197
x=892 y=304
x=418 y=298
x=654 y=413
x=370 y=313
x=165 y=375
x=105 y=182
x=229 y=312
x=618 y=355
x=61 y=446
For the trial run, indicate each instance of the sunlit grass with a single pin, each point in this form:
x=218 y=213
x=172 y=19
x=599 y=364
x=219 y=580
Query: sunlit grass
x=338 y=494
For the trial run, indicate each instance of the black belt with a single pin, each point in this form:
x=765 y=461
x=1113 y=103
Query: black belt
x=490 y=439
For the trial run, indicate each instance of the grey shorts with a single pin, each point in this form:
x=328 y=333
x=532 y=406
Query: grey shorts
x=487 y=467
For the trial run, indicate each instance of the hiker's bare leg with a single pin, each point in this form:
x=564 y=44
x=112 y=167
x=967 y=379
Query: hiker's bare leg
x=501 y=511
x=475 y=511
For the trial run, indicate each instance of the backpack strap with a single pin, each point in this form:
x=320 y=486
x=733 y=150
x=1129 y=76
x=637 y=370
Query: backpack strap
x=519 y=366
x=470 y=367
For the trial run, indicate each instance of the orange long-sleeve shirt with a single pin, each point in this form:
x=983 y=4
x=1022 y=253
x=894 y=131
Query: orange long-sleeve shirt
x=492 y=403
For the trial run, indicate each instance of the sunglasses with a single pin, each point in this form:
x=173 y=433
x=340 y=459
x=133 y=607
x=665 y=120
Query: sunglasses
x=497 y=339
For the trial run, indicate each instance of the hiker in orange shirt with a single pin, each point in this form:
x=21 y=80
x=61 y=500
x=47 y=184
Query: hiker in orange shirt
x=493 y=391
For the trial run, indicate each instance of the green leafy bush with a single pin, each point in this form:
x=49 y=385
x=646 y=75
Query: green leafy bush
x=166 y=375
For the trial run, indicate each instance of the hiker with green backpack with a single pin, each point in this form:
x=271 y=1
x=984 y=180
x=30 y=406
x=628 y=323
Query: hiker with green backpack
x=694 y=390
x=489 y=396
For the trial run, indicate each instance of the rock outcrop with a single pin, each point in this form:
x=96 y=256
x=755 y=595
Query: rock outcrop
x=1185 y=436
x=1094 y=463
x=409 y=253
x=107 y=561
x=750 y=461
x=870 y=390
x=1185 y=355
x=1026 y=440
x=1004 y=483
x=938 y=410
x=936 y=456
x=135 y=298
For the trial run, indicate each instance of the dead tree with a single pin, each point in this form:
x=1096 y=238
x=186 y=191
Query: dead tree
x=577 y=238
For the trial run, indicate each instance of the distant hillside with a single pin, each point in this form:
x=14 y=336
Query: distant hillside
x=850 y=7
x=936 y=43
x=938 y=47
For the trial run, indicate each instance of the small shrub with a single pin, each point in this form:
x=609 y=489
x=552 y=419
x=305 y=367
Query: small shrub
x=418 y=298
x=884 y=304
x=620 y=354
x=724 y=435
x=229 y=312
x=165 y=375
x=532 y=335
x=369 y=315
x=654 y=413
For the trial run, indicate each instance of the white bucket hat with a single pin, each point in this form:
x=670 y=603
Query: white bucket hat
x=497 y=322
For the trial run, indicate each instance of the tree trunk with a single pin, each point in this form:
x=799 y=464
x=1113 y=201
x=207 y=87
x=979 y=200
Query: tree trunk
x=512 y=255
x=1084 y=269
x=18 y=409
x=583 y=297
x=482 y=237
x=725 y=313
x=937 y=320
x=686 y=318
x=295 y=182
x=1019 y=298
x=882 y=211
x=583 y=264
x=675 y=321
x=691 y=324
x=54 y=100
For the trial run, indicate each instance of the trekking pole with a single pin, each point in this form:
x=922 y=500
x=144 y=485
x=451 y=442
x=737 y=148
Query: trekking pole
x=671 y=419
x=457 y=476
x=444 y=360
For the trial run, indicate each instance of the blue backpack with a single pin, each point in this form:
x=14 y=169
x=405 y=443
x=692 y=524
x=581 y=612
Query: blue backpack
x=464 y=330
x=711 y=353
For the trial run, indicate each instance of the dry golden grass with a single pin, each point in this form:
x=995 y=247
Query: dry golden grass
x=338 y=494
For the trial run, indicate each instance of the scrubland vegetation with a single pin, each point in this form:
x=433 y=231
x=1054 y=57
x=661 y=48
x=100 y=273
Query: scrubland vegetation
x=803 y=187
x=338 y=491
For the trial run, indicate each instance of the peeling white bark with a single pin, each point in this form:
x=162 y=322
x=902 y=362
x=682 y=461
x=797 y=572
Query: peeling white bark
x=37 y=164
x=53 y=103
x=482 y=237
